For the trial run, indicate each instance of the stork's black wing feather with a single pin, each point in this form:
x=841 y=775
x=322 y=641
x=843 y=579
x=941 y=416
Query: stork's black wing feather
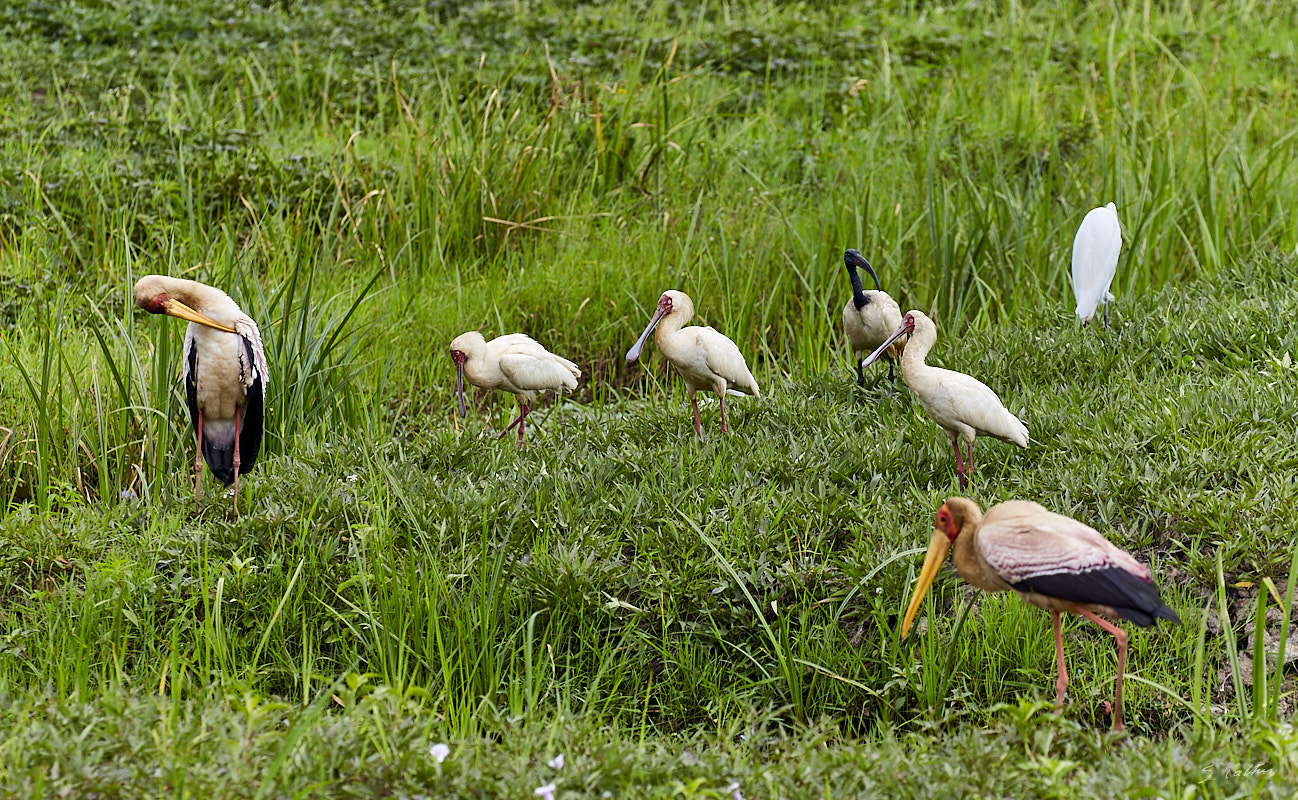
x=251 y=428
x=1133 y=598
x=191 y=380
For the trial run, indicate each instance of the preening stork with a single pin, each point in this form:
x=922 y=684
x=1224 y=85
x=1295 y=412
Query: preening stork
x=1053 y=562
x=514 y=362
x=1095 y=260
x=961 y=405
x=706 y=359
x=224 y=371
x=869 y=317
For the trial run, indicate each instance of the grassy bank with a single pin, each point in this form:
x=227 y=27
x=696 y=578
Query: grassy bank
x=370 y=180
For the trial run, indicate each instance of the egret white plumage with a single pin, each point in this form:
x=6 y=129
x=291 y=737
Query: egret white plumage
x=706 y=359
x=1053 y=562
x=869 y=317
x=1095 y=260
x=224 y=372
x=515 y=363
x=961 y=405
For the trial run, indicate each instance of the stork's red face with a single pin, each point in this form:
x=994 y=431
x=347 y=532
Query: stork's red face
x=945 y=522
x=158 y=303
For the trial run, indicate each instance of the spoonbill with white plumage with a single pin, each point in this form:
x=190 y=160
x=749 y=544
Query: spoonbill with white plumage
x=1054 y=562
x=224 y=372
x=869 y=317
x=515 y=363
x=706 y=359
x=1095 y=260
x=961 y=405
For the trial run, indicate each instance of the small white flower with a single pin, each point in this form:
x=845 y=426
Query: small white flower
x=557 y=762
x=546 y=791
x=878 y=590
x=439 y=752
x=734 y=791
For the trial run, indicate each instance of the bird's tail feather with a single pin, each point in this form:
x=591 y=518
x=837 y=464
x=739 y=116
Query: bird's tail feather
x=220 y=460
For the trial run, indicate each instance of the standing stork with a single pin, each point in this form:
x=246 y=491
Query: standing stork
x=869 y=317
x=1095 y=260
x=224 y=371
x=514 y=362
x=961 y=405
x=706 y=359
x=1053 y=562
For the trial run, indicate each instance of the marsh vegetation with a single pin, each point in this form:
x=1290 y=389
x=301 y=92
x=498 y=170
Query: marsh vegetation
x=370 y=179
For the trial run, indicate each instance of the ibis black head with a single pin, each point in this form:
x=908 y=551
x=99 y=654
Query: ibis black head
x=854 y=261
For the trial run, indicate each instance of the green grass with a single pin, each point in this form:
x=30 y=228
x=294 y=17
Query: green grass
x=672 y=614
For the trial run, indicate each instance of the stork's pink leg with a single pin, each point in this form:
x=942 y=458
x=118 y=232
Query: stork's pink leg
x=237 y=417
x=1061 y=682
x=969 y=464
x=698 y=425
x=724 y=429
x=1119 y=636
x=198 y=462
x=522 y=423
x=959 y=461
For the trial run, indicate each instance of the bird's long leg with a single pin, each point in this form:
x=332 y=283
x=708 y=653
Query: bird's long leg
x=198 y=462
x=722 y=395
x=237 y=417
x=1106 y=314
x=968 y=464
x=694 y=403
x=892 y=378
x=516 y=421
x=959 y=461
x=1119 y=636
x=1061 y=682
x=860 y=373
x=522 y=422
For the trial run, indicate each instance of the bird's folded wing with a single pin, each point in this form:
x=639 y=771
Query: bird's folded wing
x=1038 y=542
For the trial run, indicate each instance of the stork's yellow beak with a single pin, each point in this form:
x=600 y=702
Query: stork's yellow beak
x=937 y=550
x=175 y=308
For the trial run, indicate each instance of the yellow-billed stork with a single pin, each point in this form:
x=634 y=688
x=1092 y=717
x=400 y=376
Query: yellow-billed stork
x=1053 y=562
x=224 y=372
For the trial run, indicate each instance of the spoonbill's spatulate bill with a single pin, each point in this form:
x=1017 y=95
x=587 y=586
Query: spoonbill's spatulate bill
x=1053 y=562
x=706 y=359
x=961 y=405
x=515 y=363
x=869 y=317
x=1095 y=260
x=224 y=371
